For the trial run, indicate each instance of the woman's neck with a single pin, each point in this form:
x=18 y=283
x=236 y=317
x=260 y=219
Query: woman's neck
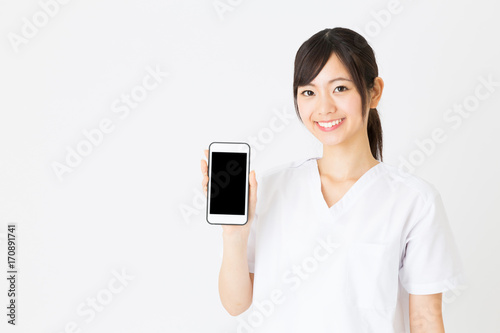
x=346 y=162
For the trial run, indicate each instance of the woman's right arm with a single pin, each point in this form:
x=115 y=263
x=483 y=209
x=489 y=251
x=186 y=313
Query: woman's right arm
x=235 y=280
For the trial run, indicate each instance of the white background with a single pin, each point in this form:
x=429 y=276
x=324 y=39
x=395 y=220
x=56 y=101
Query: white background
x=133 y=203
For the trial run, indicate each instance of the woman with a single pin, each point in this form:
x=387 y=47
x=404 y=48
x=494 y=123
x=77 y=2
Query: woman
x=342 y=242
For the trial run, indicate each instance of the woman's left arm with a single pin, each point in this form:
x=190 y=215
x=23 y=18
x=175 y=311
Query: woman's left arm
x=425 y=313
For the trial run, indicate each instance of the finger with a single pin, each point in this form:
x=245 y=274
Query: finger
x=206 y=152
x=204 y=167
x=253 y=186
x=253 y=178
x=252 y=195
x=204 y=185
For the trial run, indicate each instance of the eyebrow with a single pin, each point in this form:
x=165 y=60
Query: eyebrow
x=332 y=80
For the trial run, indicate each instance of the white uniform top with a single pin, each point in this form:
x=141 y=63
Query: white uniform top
x=350 y=267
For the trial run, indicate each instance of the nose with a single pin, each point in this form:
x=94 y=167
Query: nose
x=325 y=104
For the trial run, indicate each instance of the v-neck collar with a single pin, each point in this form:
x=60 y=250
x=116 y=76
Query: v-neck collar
x=353 y=191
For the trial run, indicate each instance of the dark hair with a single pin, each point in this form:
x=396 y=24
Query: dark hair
x=357 y=56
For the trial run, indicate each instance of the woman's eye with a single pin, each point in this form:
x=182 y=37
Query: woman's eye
x=307 y=93
x=343 y=87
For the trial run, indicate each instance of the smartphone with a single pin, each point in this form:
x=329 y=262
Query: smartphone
x=227 y=193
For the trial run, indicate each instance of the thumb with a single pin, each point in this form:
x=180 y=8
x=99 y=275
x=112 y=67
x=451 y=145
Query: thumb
x=253 y=188
x=253 y=179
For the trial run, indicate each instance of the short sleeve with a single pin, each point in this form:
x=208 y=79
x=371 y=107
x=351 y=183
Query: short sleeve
x=431 y=263
x=251 y=245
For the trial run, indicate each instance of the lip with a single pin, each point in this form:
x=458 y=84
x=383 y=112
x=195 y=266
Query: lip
x=331 y=128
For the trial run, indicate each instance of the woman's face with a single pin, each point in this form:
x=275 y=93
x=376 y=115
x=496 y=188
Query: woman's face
x=332 y=96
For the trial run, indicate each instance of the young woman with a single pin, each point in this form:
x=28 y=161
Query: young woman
x=344 y=242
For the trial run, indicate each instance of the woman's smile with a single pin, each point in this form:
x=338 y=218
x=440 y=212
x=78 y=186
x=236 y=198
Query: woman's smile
x=329 y=125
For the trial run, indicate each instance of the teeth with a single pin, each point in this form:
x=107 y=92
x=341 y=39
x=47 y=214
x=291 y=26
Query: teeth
x=330 y=124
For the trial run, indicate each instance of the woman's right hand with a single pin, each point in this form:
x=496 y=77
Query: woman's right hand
x=235 y=229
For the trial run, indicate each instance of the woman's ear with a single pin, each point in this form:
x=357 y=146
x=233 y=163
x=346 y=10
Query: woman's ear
x=376 y=92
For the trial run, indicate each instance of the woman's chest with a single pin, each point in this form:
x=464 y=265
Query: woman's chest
x=334 y=191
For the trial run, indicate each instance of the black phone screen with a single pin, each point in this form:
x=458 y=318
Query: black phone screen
x=228 y=183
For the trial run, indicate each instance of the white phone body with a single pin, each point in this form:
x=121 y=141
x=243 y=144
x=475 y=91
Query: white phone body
x=227 y=192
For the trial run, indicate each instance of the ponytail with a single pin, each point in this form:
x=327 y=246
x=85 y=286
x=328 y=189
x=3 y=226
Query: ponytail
x=375 y=134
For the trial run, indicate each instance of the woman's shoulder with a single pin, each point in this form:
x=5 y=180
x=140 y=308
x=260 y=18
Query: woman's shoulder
x=401 y=179
x=286 y=169
x=278 y=181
